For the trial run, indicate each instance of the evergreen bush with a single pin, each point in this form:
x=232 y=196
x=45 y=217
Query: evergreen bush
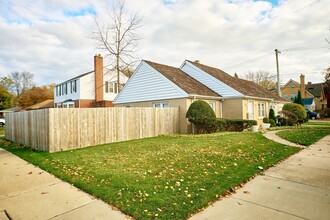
x=296 y=109
x=272 y=122
x=202 y=116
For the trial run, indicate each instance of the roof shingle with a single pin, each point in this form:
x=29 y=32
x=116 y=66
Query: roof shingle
x=181 y=79
x=245 y=87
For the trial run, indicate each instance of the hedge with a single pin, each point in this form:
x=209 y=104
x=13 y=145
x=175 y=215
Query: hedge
x=224 y=124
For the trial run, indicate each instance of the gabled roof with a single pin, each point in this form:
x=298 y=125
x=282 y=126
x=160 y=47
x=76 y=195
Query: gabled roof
x=77 y=77
x=181 y=79
x=315 y=89
x=291 y=80
x=45 y=104
x=245 y=87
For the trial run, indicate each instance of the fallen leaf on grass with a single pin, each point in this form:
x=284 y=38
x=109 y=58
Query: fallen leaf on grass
x=239 y=203
x=30 y=173
x=246 y=192
x=260 y=168
x=44 y=193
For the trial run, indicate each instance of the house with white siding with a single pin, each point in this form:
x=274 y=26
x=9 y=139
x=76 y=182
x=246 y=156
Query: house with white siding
x=159 y=85
x=97 y=88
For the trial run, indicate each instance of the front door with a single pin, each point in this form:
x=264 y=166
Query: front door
x=251 y=110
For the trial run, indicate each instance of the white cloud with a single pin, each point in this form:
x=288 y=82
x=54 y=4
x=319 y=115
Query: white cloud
x=41 y=37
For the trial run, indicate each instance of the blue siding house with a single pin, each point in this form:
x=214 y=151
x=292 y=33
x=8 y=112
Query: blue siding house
x=158 y=85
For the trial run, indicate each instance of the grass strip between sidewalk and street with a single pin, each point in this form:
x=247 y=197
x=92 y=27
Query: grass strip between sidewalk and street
x=166 y=177
x=304 y=137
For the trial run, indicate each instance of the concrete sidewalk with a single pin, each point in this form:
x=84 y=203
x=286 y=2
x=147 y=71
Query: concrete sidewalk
x=297 y=188
x=27 y=192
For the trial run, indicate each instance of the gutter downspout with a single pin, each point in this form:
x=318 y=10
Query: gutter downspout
x=221 y=100
x=192 y=125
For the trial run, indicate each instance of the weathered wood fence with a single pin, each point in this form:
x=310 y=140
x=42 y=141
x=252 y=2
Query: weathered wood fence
x=65 y=129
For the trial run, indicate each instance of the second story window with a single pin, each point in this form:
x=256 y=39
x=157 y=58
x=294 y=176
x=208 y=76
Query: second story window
x=73 y=86
x=111 y=87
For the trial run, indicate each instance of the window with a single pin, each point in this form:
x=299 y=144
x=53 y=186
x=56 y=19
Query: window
x=262 y=110
x=59 y=90
x=293 y=96
x=75 y=85
x=111 y=87
x=56 y=88
x=291 y=86
x=212 y=104
x=68 y=105
x=160 y=105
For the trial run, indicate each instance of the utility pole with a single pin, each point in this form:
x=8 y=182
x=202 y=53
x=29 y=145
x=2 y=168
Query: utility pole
x=278 y=92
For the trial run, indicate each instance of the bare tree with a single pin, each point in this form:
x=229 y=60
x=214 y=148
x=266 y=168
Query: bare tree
x=262 y=78
x=21 y=81
x=118 y=37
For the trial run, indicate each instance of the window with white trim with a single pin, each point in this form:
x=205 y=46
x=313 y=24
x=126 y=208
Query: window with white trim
x=160 y=105
x=213 y=106
x=112 y=87
x=261 y=109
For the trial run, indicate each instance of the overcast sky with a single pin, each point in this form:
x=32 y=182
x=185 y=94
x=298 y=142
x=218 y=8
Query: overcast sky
x=52 y=39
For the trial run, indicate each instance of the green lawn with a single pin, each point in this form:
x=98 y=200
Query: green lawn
x=2 y=131
x=166 y=177
x=304 y=137
x=322 y=123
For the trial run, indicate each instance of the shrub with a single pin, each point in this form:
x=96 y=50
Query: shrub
x=224 y=124
x=265 y=120
x=272 y=114
x=202 y=116
x=282 y=121
x=296 y=109
x=272 y=122
x=292 y=118
x=325 y=113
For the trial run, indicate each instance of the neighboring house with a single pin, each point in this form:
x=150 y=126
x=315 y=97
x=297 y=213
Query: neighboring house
x=157 y=85
x=309 y=103
x=41 y=105
x=96 y=88
x=315 y=91
x=8 y=110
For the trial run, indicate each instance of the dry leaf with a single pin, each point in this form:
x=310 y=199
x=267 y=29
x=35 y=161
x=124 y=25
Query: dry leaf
x=246 y=192
x=240 y=203
x=44 y=193
x=30 y=173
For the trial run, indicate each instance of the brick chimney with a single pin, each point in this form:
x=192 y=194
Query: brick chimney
x=302 y=86
x=98 y=69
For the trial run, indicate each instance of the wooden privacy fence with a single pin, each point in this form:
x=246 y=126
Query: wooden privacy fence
x=60 y=129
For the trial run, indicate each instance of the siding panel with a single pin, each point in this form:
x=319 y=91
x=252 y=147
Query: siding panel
x=216 y=85
x=147 y=84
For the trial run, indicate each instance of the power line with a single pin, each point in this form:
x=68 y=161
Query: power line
x=311 y=47
x=250 y=60
x=261 y=57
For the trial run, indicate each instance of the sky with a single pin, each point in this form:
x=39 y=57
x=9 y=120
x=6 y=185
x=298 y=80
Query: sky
x=53 y=38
